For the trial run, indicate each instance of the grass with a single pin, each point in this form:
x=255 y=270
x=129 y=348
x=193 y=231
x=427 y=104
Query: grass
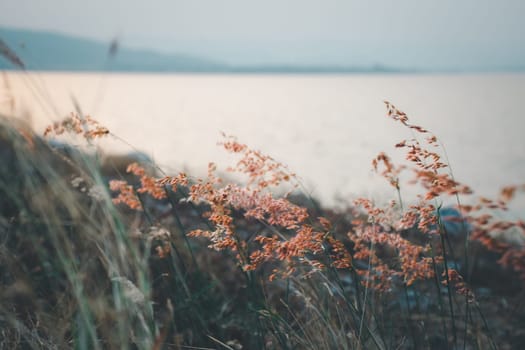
x=103 y=253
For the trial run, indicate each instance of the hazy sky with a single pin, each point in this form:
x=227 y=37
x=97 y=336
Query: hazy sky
x=462 y=33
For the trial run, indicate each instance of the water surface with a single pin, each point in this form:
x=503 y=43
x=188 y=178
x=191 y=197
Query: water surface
x=327 y=128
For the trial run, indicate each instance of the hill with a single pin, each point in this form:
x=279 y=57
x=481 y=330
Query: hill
x=51 y=51
x=48 y=51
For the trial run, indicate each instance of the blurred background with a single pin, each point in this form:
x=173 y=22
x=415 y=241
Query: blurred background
x=303 y=81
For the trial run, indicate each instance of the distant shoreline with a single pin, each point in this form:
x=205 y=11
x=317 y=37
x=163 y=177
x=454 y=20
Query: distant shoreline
x=269 y=73
x=50 y=52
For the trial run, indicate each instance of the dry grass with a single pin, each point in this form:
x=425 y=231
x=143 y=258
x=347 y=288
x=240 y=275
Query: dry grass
x=111 y=253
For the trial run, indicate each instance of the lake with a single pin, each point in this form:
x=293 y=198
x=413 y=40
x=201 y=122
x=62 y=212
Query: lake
x=326 y=128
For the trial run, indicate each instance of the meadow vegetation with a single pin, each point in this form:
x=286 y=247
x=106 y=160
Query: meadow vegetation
x=103 y=251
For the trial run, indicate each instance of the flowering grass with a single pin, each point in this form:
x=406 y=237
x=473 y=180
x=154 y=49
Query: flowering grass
x=147 y=260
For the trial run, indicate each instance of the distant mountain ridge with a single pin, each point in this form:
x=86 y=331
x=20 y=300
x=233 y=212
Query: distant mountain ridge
x=49 y=51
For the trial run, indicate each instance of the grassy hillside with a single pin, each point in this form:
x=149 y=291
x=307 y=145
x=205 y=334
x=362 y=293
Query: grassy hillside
x=100 y=251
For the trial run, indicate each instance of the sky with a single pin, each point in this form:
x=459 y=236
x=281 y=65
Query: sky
x=402 y=33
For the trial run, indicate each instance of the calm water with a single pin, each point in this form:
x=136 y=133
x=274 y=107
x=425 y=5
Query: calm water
x=326 y=128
